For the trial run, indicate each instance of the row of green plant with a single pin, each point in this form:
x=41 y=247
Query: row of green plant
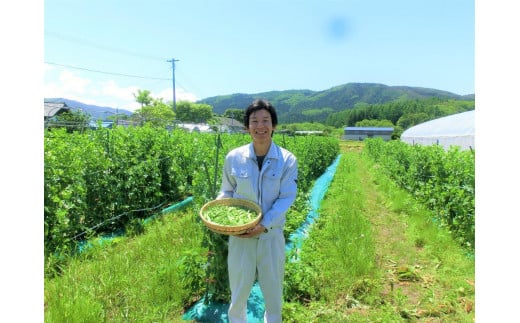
x=152 y=276
x=444 y=180
x=358 y=263
x=338 y=276
x=101 y=181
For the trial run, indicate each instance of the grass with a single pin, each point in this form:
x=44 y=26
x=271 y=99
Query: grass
x=373 y=255
x=134 y=280
x=427 y=272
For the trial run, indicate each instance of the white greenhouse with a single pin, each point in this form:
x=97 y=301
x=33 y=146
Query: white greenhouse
x=454 y=130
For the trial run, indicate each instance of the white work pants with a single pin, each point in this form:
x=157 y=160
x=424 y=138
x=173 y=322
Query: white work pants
x=246 y=256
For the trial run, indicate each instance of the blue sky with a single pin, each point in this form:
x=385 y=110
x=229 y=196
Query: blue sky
x=101 y=52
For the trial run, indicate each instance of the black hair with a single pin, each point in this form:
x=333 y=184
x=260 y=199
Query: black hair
x=257 y=105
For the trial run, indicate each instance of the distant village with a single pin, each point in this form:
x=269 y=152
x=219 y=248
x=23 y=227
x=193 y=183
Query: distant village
x=223 y=125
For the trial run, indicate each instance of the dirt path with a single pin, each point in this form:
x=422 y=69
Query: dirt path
x=417 y=278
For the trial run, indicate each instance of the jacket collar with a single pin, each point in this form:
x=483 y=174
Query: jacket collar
x=272 y=153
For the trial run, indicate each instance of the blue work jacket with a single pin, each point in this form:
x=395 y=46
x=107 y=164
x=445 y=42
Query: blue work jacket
x=274 y=187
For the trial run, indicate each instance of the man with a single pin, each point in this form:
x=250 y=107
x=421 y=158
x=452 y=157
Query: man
x=266 y=174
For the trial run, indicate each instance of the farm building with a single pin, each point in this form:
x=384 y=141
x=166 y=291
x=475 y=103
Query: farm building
x=195 y=127
x=308 y=133
x=454 y=130
x=360 y=133
x=93 y=124
x=222 y=124
x=51 y=109
x=229 y=125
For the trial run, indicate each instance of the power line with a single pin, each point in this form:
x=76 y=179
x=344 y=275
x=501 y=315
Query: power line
x=110 y=73
x=98 y=46
x=91 y=44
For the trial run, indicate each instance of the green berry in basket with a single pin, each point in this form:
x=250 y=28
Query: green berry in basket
x=230 y=215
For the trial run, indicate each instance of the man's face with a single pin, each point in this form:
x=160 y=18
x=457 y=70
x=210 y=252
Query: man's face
x=260 y=126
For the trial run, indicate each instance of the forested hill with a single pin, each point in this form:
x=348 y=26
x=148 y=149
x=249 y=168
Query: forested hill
x=306 y=105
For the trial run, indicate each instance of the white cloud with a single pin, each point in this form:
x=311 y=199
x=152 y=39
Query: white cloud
x=124 y=96
x=68 y=84
x=72 y=83
x=180 y=95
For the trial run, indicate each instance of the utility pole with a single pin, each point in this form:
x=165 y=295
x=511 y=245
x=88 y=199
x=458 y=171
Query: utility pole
x=173 y=60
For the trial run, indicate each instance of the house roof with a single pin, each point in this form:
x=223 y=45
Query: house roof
x=50 y=109
x=197 y=127
x=223 y=121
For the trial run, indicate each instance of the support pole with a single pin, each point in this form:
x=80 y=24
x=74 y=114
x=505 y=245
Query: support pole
x=173 y=60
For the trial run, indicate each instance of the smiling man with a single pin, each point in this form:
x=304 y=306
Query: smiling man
x=266 y=174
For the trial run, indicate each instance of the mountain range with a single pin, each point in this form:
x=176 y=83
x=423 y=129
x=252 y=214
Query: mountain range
x=301 y=105
x=315 y=106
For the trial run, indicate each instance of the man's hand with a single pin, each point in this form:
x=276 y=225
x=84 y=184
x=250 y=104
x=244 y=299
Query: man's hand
x=253 y=232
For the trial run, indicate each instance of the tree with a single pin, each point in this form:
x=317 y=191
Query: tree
x=202 y=112
x=184 y=111
x=72 y=121
x=143 y=97
x=158 y=114
x=117 y=116
x=235 y=114
x=412 y=119
x=194 y=112
x=374 y=123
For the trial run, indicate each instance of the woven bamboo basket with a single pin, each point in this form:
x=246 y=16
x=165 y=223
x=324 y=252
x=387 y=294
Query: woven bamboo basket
x=231 y=230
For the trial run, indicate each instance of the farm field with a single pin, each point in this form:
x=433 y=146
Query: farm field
x=373 y=255
x=380 y=256
x=423 y=274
